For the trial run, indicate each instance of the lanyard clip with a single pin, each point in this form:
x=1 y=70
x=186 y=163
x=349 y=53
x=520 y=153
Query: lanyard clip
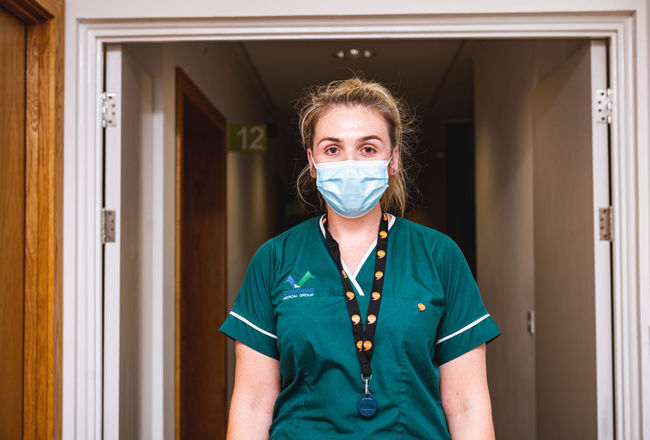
x=365 y=381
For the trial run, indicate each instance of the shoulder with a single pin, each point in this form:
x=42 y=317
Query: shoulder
x=433 y=241
x=295 y=236
x=303 y=230
x=277 y=250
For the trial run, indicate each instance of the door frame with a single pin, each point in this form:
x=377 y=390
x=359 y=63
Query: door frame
x=629 y=170
x=43 y=262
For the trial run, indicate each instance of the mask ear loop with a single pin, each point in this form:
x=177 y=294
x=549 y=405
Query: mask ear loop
x=390 y=159
x=311 y=163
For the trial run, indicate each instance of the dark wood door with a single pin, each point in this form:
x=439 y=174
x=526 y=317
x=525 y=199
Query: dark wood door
x=200 y=265
x=12 y=222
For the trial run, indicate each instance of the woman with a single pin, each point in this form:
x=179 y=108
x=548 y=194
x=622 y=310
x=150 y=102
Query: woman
x=316 y=358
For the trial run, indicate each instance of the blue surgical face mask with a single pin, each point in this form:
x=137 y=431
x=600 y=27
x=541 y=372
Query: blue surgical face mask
x=352 y=187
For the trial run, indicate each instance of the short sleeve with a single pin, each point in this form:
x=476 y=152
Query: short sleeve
x=252 y=320
x=465 y=323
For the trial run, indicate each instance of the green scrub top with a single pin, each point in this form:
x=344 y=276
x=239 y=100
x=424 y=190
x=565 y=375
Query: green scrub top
x=291 y=307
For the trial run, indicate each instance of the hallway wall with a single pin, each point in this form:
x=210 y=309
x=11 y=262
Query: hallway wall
x=505 y=74
x=223 y=77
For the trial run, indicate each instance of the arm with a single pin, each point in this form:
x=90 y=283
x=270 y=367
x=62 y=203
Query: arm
x=257 y=385
x=465 y=396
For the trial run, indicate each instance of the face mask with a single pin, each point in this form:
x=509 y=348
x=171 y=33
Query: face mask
x=352 y=188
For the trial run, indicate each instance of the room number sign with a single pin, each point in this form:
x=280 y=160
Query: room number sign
x=247 y=137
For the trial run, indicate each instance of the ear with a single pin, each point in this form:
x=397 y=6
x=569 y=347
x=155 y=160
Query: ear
x=394 y=163
x=310 y=159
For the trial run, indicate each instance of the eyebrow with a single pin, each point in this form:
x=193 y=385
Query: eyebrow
x=331 y=139
x=371 y=137
x=362 y=139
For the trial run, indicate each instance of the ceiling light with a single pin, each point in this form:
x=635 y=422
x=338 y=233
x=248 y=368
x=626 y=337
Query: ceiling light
x=353 y=53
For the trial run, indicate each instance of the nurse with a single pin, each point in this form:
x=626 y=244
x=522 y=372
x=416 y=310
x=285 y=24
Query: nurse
x=359 y=323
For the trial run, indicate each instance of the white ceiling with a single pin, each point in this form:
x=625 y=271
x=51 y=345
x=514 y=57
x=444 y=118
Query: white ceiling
x=414 y=69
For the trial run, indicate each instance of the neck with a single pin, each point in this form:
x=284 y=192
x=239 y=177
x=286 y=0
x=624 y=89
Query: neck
x=365 y=226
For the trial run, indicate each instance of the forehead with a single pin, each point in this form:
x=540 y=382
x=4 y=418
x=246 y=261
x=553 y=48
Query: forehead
x=343 y=117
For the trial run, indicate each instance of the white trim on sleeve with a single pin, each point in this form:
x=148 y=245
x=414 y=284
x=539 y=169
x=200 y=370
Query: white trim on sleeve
x=467 y=327
x=246 y=321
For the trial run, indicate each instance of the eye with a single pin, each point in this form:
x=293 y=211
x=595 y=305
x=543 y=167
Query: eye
x=368 y=149
x=331 y=150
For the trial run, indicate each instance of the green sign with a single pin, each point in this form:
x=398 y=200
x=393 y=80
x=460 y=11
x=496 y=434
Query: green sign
x=247 y=137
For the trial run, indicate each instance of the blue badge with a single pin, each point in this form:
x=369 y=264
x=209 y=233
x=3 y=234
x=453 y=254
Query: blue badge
x=367 y=405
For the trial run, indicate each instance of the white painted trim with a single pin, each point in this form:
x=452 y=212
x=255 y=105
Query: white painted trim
x=602 y=250
x=628 y=55
x=464 y=329
x=246 y=321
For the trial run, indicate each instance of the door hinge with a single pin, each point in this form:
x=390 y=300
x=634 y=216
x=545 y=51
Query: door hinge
x=109 y=109
x=604 y=105
x=606 y=223
x=108 y=226
x=531 y=322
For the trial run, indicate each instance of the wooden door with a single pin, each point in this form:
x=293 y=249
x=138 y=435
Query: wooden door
x=12 y=222
x=200 y=264
x=572 y=264
x=31 y=210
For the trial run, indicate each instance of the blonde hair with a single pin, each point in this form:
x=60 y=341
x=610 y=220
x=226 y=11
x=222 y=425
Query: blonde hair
x=371 y=94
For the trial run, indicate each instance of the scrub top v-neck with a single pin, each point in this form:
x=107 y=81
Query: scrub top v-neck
x=291 y=307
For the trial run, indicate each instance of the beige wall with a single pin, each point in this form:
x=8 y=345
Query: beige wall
x=205 y=8
x=505 y=74
x=223 y=76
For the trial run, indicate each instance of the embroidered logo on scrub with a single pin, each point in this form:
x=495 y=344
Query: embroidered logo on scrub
x=306 y=277
x=297 y=289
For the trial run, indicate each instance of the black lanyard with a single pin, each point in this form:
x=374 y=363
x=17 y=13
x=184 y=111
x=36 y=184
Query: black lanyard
x=363 y=340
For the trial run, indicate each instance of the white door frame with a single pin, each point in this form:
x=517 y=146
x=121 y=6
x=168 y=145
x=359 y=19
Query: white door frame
x=629 y=164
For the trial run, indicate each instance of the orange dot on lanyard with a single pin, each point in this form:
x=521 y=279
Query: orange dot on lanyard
x=381 y=254
x=359 y=345
x=356 y=319
x=343 y=273
x=367 y=345
x=350 y=295
x=372 y=319
x=383 y=234
x=379 y=274
x=376 y=295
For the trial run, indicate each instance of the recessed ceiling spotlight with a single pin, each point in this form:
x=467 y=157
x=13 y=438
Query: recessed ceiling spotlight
x=353 y=53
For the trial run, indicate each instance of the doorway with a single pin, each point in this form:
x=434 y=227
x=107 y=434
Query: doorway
x=451 y=88
x=614 y=146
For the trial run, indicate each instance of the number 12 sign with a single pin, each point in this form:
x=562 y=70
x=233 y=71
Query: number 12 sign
x=247 y=137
